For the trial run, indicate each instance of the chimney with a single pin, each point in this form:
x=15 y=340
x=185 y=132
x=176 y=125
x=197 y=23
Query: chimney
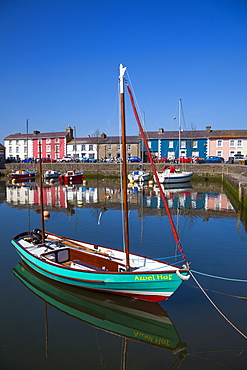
x=69 y=133
x=36 y=132
x=161 y=130
x=103 y=135
x=208 y=128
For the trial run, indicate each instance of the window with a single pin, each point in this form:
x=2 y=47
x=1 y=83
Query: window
x=231 y=154
x=17 y=142
x=48 y=141
x=10 y=149
x=48 y=148
x=129 y=147
x=90 y=147
x=118 y=147
x=232 y=142
x=183 y=144
x=219 y=153
x=57 y=148
x=240 y=142
x=17 y=149
x=83 y=147
x=219 y=143
x=25 y=149
x=57 y=140
x=25 y=142
x=170 y=144
x=91 y=155
x=40 y=141
x=10 y=142
x=195 y=154
x=109 y=147
x=195 y=144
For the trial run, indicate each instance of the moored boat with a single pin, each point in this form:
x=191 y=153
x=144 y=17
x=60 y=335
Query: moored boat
x=171 y=175
x=138 y=175
x=22 y=174
x=71 y=176
x=51 y=174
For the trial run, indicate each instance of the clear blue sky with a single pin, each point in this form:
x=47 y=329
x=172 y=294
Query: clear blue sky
x=59 y=63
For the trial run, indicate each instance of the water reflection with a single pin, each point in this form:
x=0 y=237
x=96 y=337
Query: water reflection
x=63 y=197
x=136 y=320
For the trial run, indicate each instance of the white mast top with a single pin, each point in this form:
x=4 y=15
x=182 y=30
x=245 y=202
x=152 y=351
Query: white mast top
x=122 y=70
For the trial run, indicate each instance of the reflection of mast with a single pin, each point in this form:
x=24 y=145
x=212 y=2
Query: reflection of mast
x=46 y=329
x=124 y=358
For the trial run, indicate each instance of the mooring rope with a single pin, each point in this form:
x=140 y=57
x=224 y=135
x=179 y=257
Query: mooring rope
x=220 y=277
x=210 y=300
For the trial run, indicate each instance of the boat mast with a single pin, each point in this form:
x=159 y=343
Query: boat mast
x=41 y=199
x=124 y=164
x=179 y=128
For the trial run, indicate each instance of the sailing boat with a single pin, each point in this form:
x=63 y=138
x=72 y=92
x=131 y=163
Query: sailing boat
x=101 y=268
x=170 y=174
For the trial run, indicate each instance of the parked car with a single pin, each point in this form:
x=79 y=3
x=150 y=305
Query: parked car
x=92 y=160
x=184 y=160
x=238 y=158
x=134 y=159
x=48 y=160
x=67 y=158
x=199 y=160
x=28 y=160
x=85 y=159
x=214 y=159
x=161 y=159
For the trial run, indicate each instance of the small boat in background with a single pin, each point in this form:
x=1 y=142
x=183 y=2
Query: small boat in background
x=140 y=175
x=50 y=174
x=22 y=174
x=71 y=176
x=170 y=175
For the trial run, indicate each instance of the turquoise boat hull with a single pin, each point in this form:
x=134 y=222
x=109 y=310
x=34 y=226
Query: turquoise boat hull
x=149 y=285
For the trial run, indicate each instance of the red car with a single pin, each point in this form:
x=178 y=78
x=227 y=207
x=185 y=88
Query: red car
x=161 y=159
x=184 y=160
x=48 y=160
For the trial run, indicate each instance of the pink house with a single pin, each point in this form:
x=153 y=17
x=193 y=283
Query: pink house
x=226 y=143
x=51 y=144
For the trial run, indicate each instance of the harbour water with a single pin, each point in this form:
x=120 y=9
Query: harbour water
x=45 y=326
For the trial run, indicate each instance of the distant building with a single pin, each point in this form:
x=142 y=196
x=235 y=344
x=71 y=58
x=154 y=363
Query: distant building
x=196 y=143
x=45 y=145
x=166 y=144
x=110 y=146
x=2 y=155
x=102 y=147
x=83 y=147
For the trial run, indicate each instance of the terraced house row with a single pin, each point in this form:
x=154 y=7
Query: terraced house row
x=162 y=143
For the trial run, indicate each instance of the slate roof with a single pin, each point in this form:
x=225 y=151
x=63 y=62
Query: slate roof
x=41 y=135
x=106 y=140
x=197 y=134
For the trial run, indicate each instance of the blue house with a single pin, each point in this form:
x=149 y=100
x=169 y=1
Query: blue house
x=166 y=144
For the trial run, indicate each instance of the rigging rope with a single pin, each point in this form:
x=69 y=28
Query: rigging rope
x=174 y=231
x=220 y=277
x=221 y=313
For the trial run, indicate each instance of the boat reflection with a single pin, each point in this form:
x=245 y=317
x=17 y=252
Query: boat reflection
x=132 y=319
x=96 y=195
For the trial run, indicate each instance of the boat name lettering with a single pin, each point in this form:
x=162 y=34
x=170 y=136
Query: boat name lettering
x=145 y=336
x=154 y=277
